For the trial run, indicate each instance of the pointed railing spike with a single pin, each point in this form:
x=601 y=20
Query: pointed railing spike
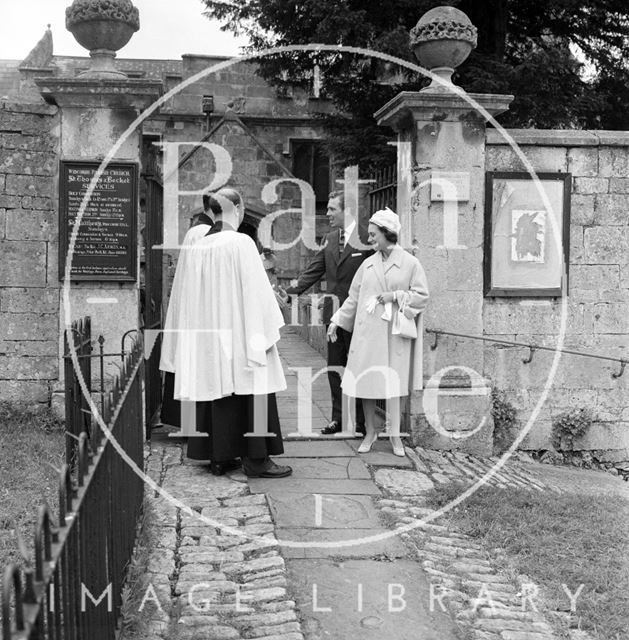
x=12 y=582
x=29 y=595
x=84 y=462
x=43 y=552
x=63 y=496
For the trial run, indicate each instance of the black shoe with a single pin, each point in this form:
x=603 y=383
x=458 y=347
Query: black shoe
x=265 y=469
x=221 y=468
x=333 y=427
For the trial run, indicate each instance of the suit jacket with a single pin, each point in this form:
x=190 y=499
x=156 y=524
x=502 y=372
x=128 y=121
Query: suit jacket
x=337 y=268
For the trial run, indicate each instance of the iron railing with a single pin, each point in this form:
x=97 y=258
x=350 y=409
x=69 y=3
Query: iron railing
x=530 y=346
x=77 y=411
x=76 y=403
x=384 y=191
x=72 y=590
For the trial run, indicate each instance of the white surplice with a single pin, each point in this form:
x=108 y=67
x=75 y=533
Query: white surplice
x=169 y=340
x=229 y=322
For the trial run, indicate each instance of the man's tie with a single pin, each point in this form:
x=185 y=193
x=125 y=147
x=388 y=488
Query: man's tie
x=341 y=241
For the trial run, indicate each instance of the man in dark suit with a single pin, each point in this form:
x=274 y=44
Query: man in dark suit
x=205 y=216
x=337 y=261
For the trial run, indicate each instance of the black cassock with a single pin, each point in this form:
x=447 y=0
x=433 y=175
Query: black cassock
x=226 y=421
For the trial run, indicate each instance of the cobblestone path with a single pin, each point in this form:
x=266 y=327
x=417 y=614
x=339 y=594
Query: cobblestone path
x=212 y=583
x=318 y=558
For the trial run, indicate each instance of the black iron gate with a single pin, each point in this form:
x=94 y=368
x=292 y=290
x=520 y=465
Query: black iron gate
x=77 y=409
x=384 y=191
x=152 y=294
x=383 y=194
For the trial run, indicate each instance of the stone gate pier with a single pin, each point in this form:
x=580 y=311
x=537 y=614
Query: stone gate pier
x=441 y=199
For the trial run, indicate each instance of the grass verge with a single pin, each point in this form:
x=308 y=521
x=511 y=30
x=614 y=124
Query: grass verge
x=556 y=540
x=32 y=446
x=133 y=615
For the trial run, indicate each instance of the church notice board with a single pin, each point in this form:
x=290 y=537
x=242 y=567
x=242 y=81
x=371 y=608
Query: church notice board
x=106 y=242
x=527 y=234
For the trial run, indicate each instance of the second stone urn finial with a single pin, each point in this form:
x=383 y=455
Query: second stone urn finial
x=442 y=40
x=103 y=27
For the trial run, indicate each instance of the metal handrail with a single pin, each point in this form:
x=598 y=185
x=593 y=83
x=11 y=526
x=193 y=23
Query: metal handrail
x=532 y=347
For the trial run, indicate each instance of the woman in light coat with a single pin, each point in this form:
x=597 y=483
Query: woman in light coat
x=383 y=363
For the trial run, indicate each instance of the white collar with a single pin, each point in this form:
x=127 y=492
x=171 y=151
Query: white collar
x=349 y=229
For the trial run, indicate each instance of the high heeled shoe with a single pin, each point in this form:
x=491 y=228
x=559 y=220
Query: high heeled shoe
x=367 y=443
x=397 y=446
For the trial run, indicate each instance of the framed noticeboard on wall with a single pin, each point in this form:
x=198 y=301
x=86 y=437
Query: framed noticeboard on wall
x=105 y=248
x=527 y=234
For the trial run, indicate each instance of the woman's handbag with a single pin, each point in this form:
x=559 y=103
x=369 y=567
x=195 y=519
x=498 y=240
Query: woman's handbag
x=404 y=323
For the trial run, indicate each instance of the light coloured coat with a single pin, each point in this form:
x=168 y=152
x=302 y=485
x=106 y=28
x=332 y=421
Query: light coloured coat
x=381 y=364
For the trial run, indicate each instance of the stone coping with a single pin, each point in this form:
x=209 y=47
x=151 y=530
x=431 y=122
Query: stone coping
x=123 y=93
x=559 y=137
x=407 y=106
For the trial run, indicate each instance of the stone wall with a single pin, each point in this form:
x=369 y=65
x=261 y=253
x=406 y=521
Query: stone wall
x=598 y=300
x=257 y=156
x=239 y=83
x=29 y=283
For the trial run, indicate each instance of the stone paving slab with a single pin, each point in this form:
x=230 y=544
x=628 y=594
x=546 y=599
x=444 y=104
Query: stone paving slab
x=317 y=449
x=390 y=546
x=400 y=482
x=289 y=413
x=335 y=511
x=273 y=486
x=341 y=468
x=357 y=469
x=334 y=611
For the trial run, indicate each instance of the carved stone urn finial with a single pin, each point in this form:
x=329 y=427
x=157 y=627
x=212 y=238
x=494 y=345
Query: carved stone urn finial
x=103 y=27
x=442 y=40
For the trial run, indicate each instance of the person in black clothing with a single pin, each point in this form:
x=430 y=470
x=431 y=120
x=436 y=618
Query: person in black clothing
x=221 y=287
x=337 y=261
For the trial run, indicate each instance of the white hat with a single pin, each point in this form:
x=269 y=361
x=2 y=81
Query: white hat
x=387 y=219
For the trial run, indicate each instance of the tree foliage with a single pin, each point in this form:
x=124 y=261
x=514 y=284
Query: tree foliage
x=564 y=60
